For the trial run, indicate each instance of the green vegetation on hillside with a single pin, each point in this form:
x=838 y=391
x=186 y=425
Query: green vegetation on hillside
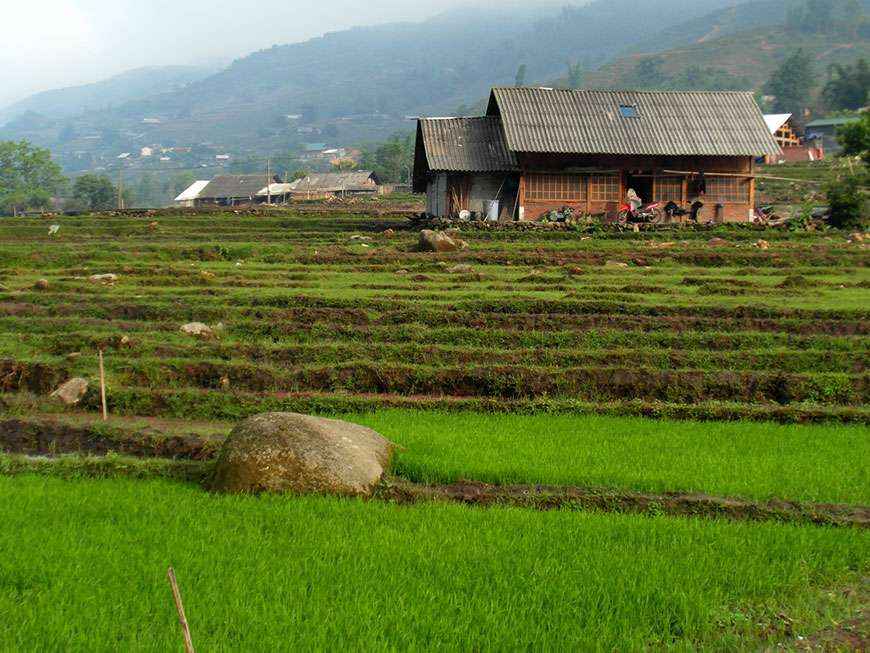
x=743 y=61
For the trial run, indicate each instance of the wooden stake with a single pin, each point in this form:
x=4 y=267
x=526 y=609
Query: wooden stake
x=179 y=608
x=103 y=387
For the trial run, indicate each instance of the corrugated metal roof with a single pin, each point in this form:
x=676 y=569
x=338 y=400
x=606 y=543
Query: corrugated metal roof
x=776 y=120
x=233 y=186
x=192 y=192
x=333 y=182
x=466 y=145
x=832 y=122
x=667 y=123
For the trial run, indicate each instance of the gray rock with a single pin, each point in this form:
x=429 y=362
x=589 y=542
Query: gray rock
x=197 y=329
x=439 y=241
x=105 y=279
x=71 y=392
x=288 y=452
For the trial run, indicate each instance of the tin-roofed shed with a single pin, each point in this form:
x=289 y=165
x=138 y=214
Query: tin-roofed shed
x=556 y=148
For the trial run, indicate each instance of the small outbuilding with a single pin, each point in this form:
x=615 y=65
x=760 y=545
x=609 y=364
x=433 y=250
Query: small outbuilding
x=223 y=190
x=538 y=150
x=324 y=185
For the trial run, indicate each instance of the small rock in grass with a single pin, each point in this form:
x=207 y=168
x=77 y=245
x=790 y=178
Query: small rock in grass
x=198 y=329
x=401 y=272
x=41 y=284
x=71 y=392
x=205 y=274
x=615 y=264
x=389 y=233
x=123 y=341
x=762 y=244
x=856 y=238
x=440 y=241
x=717 y=242
x=105 y=279
x=53 y=229
x=460 y=269
x=288 y=452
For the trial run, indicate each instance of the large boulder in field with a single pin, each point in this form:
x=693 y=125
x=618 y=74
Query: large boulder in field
x=440 y=241
x=71 y=392
x=288 y=452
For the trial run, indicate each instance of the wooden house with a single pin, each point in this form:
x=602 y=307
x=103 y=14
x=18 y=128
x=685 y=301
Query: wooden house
x=539 y=150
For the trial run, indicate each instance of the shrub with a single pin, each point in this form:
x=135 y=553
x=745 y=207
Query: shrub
x=848 y=202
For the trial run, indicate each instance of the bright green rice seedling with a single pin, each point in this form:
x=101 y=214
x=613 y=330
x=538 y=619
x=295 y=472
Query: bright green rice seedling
x=83 y=563
x=755 y=460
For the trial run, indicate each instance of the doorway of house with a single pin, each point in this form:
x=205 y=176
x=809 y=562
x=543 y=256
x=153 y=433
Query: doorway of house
x=642 y=183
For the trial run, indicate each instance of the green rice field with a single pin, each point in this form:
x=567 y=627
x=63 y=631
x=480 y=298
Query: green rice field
x=83 y=569
x=728 y=361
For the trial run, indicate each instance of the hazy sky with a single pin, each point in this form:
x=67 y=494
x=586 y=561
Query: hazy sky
x=55 y=43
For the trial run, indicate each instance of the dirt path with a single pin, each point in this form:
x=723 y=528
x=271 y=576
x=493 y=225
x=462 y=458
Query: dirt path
x=542 y=497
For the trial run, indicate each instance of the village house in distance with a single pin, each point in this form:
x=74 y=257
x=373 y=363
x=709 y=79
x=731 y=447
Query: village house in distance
x=246 y=190
x=538 y=150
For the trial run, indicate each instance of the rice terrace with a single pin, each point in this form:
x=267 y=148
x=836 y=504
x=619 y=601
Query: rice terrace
x=606 y=439
x=449 y=326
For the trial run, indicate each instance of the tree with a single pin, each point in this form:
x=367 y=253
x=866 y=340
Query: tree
x=520 y=79
x=95 y=193
x=848 y=86
x=575 y=75
x=344 y=165
x=792 y=84
x=648 y=72
x=819 y=16
x=148 y=192
x=28 y=177
x=848 y=202
x=854 y=137
x=392 y=161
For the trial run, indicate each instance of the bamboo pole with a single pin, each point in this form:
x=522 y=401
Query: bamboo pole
x=179 y=608
x=744 y=176
x=103 y=387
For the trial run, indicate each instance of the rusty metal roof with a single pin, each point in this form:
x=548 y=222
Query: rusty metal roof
x=233 y=187
x=640 y=123
x=466 y=145
x=357 y=180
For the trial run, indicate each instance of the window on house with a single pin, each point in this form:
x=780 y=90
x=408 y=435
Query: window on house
x=669 y=189
x=556 y=188
x=604 y=188
x=729 y=189
x=629 y=111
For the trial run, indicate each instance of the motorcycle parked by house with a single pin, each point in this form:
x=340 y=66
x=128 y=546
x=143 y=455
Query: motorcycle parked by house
x=644 y=214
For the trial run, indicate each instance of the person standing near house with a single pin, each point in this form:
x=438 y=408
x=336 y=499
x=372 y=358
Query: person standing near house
x=633 y=200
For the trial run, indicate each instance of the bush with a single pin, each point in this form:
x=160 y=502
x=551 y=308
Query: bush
x=848 y=202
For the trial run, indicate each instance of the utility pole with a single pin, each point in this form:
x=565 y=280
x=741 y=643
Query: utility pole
x=120 y=186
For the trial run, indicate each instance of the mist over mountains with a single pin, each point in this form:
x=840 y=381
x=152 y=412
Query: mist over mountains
x=361 y=85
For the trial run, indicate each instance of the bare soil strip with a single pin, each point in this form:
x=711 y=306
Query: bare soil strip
x=542 y=497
